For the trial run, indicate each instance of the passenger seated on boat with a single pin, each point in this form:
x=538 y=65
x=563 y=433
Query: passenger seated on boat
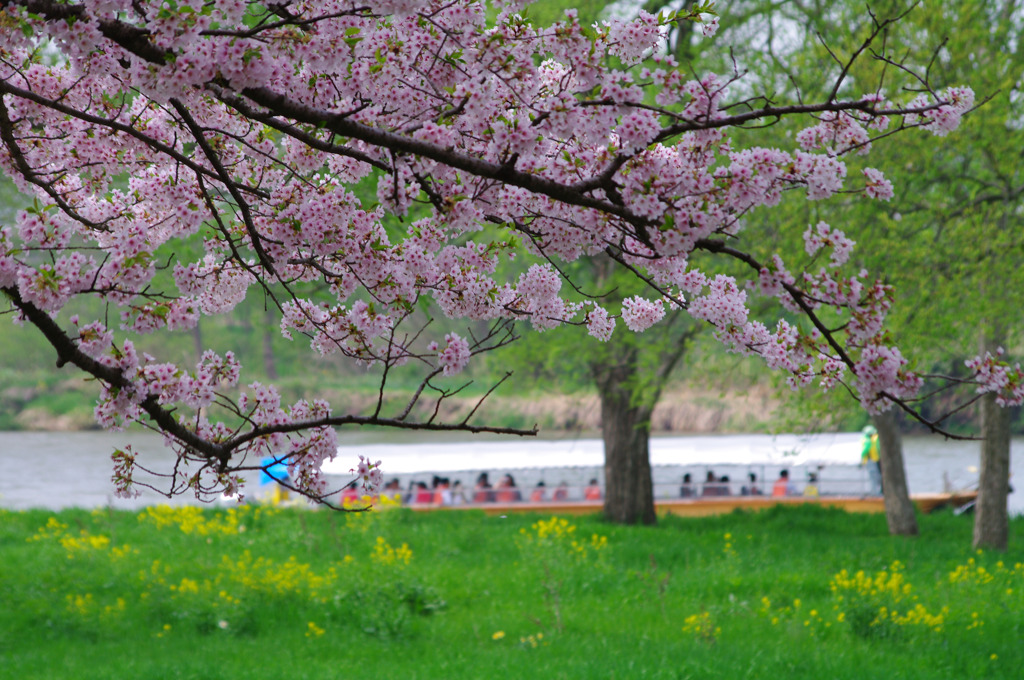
x=710 y=485
x=483 y=492
x=593 y=491
x=782 y=486
x=507 y=490
x=393 y=491
x=458 y=493
x=443 y=492
x=561 y=492
x=723 y=486
x=714 y=487
x=424 y=496
x=751 y=489
x=539 y=492
x=687 y=490
x=410 y=493
x=350 y=495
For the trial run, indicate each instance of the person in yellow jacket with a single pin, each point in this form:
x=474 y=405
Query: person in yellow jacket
x=870 y=458
x=811 y=487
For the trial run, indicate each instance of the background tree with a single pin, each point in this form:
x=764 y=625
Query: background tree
x=952 y=222
x=955 y=223
x=789 y=45
x=629 y=373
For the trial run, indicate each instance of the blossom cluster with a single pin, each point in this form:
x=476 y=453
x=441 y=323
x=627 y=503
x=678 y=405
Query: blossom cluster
x=996 y=375
x=369 y=475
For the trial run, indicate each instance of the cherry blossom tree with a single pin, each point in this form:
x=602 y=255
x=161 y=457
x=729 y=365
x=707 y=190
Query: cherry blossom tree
x=953 y=219
x=138 y=126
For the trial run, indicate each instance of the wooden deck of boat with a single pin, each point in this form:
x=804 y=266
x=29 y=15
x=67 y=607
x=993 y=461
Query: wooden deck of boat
x=720 y=505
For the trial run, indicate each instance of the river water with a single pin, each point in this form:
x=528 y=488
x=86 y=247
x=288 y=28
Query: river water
x=72 y=469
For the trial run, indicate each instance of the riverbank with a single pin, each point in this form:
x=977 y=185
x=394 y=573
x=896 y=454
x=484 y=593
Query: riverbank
x=67 y=407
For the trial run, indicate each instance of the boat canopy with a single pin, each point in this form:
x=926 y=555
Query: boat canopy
x=431 y=455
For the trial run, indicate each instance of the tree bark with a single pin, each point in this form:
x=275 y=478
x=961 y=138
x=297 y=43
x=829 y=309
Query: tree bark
x=899 y=510
x=625 y=428
x=991 y=516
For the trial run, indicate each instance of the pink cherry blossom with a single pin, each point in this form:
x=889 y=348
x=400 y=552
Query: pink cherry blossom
x=877 y=185
x=599 y=324
x=639 y=314
x=181 y=159
x=995 y=375
x=454 y=357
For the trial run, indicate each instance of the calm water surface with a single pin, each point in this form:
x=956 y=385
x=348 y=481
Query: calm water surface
x=72 y=469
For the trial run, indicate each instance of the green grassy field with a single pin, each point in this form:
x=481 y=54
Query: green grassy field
x=258 y=592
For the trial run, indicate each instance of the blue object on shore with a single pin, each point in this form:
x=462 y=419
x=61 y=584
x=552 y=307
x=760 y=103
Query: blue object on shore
x=275 y=469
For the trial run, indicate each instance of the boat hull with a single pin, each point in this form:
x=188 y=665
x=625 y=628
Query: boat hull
x=704 y=507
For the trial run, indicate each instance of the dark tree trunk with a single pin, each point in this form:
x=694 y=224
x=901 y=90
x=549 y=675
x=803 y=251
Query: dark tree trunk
x=991 y=517
x=629 y=376
x=899 y=510
x=625 y=428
